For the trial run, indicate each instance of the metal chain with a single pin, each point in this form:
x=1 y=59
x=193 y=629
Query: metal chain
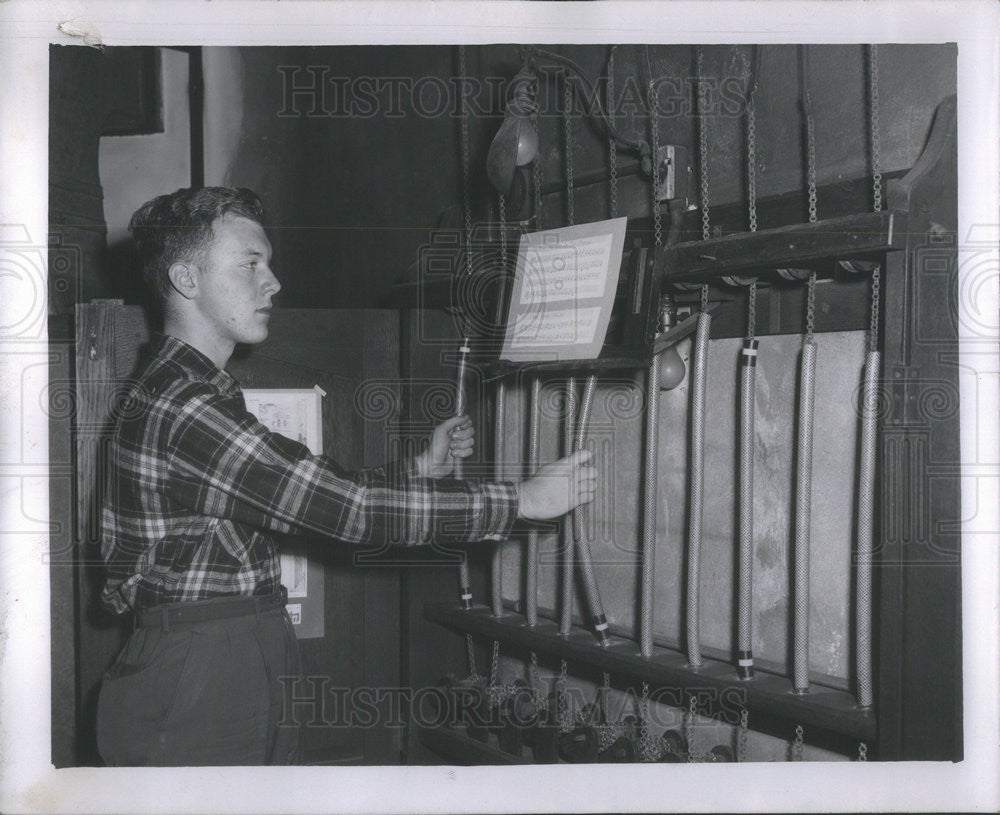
x=607 y=731
x=798 y=743
x=466 y=195
x=876 y=305
x=536 y=173
x=862 y=751
x=811 y=163
x=612 y=144
x=741 y=743
x=810 y=305
x=535 y=680
x=654 y=138
x=704 y=297
x=689 y=727
x=648 y=745
x=751 y=144
x=562 y=702
x=876 y=149
x=752 y=309
x=473 y=674
x=568 y=125
x=493 y=690
x=502 y=209
x=703 y=147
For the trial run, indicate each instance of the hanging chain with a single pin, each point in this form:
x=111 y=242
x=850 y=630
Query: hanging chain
x=704 y=297
x=493 y=690
x=654 y=138
x=607 y=731
x=741 y=742
x=466 y=195
x=876 y=149
x=536 y=173
x=535 y=680
x=752 y=309
x=689 y=717
x=568 y=124
x=798 y=743
x=473 y=674
x=562 y=701
x=876 y=305
x=751 y=144
x=703 y=146
x=502 y=209
x=810 y=305
x=810 y=135
x=648 y=747
x=612 y=144
x=862 y=751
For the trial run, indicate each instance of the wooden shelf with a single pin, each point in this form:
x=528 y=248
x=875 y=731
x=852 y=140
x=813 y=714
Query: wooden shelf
x=715 y=685
x=802 y=246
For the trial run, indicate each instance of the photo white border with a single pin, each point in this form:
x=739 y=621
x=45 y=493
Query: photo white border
x=27 y=781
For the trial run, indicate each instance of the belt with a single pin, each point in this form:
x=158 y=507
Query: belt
x=215 y=608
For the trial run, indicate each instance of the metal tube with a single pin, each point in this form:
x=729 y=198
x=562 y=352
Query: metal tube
x=464 y=581
x=496 y=566
x=699 y=365
x=803 y=500
x=649 y=509
x=744 y=647
x=866 y=527
x=531 y=579
x=592 y=593
x=566 y=607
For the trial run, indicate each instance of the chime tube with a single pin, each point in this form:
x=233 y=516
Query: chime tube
x=496 y=566
x=566 y=605
x=803 y=499
x=697 y=485
x=531 y=576
x=464 y=581
x=592 y=594
x=649 y=509
x=744 y=647
x=866 y=526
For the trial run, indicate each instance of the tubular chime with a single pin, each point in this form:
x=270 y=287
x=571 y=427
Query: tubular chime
x=531 y=566
x=592 y=594
x=748 y=375
x=869 y=436
x=464 y=581
x=496 y=566
x=566 y=606
x=804 y=444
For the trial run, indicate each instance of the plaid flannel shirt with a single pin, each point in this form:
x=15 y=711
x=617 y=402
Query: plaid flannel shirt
x=196 y=485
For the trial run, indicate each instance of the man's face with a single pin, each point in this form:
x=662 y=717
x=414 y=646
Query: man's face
x=235 y=282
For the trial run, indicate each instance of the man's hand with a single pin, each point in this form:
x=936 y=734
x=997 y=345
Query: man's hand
x=450 y=440
x=558 y=488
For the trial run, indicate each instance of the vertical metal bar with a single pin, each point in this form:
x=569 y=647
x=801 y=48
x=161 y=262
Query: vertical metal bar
x=697 y=485
x=866 y=528
x=592 y=593
x=566 y=607
x=803 y=501
x=496 y=566
x=464 y=580
x=650 y=494
x=748 y=369
x=531 y=579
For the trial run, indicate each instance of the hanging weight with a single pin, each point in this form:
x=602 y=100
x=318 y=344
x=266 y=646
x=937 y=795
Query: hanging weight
x=622 y=751
x=721 y=753
x=579 y=745
x=673 y=746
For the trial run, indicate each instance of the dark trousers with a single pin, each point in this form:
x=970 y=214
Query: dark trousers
x=202 y=693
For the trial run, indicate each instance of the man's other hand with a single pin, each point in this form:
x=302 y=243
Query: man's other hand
x=451 y=440
x=558 y=488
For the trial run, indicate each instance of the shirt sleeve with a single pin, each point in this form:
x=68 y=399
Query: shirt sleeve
x=224 y=463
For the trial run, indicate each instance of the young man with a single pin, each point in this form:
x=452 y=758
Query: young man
x=197 y=485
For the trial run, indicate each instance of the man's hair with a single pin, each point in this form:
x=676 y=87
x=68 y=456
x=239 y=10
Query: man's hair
x=177 y=227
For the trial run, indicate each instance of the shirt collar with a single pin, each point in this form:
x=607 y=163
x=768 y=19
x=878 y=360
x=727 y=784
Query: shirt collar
x=167 y=347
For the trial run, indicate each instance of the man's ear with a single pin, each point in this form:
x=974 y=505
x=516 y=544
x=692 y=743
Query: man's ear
x=184 y=279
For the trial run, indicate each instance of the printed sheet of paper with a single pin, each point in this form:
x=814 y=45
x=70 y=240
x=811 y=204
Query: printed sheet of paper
x=296 y=413
x=564 y=289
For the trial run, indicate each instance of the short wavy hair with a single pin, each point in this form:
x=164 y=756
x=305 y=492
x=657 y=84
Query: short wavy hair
x=177 y=227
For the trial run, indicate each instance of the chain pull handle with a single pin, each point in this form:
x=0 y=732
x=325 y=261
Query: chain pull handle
x=797 y=745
